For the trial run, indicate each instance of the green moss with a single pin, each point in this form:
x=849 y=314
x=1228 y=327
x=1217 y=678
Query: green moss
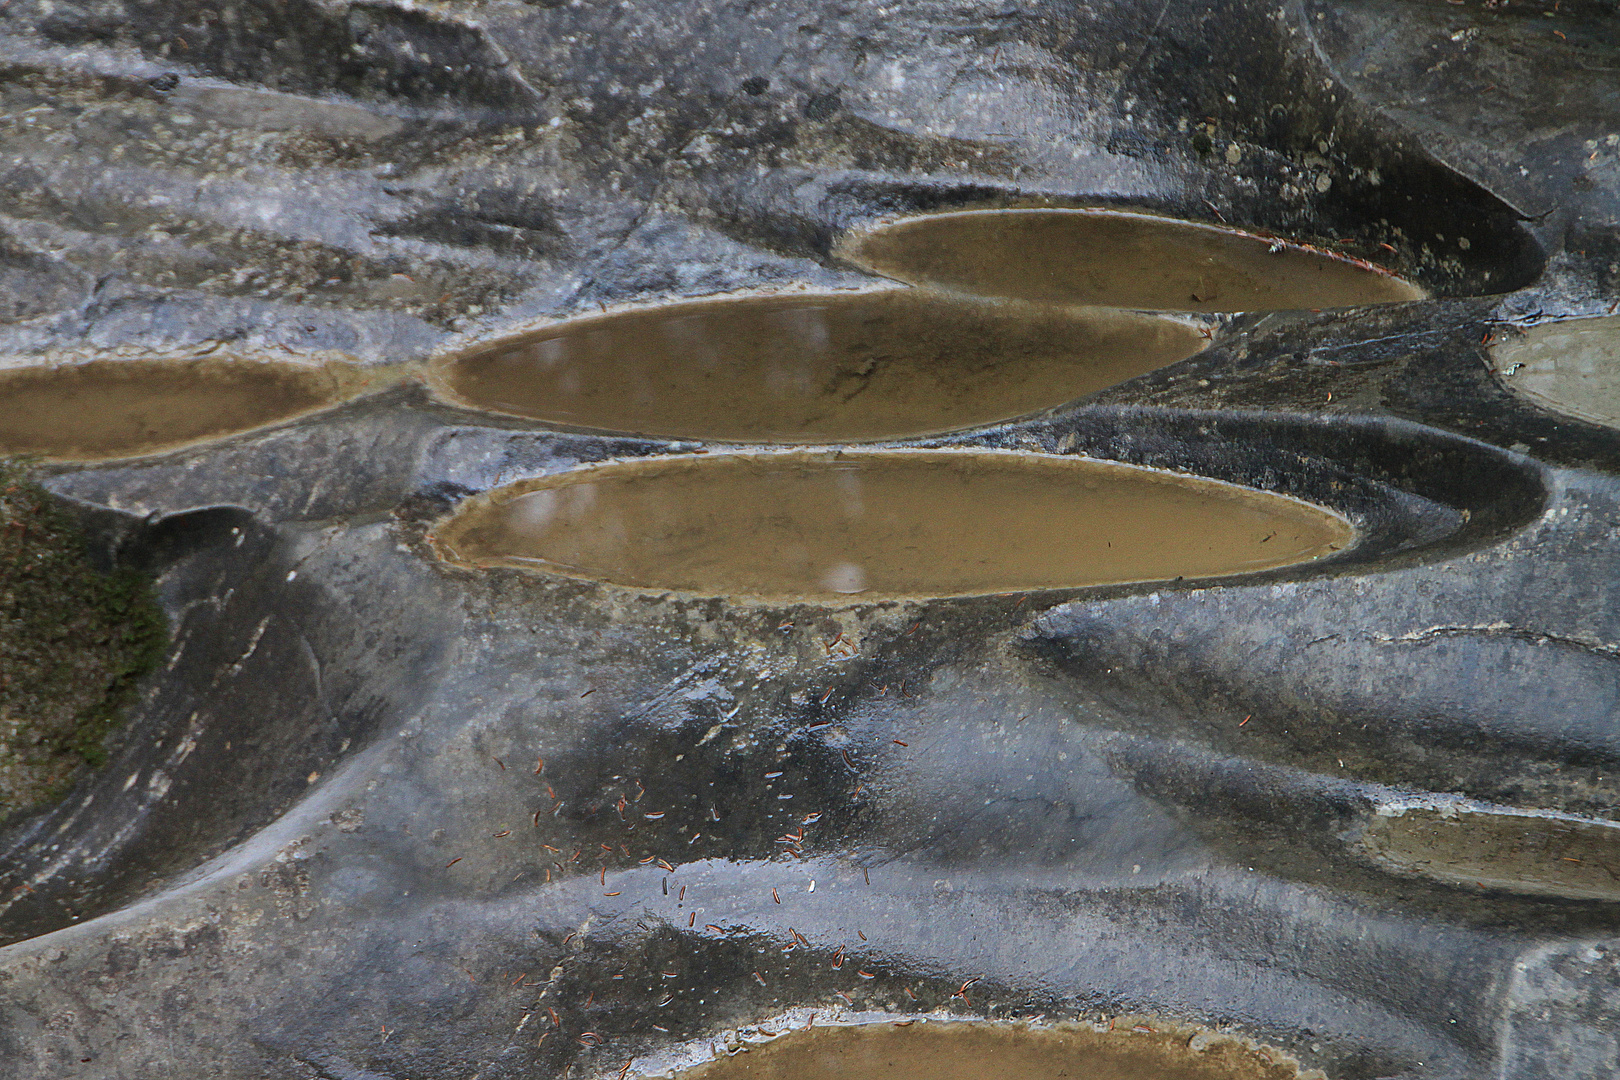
x=73 y=644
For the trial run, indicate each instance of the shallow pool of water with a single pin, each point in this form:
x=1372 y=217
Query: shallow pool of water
x=978 y=1051
x=813 y=368
x=1117 y=259
x=1572 y=366
x=883 y=524
x=1529 y=853
x=112 y=409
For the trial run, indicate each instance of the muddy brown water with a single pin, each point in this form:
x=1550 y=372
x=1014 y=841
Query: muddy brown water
x=882 y=524
x=972 y=1051
x=822 y=368
x=1521 y=853
x=1117 y=259
x=107 y=409
x=1572 y=366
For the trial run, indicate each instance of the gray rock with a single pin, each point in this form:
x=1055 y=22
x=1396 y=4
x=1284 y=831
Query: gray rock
x=323 y=848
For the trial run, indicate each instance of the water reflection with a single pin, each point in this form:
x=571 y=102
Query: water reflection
x=111 y=409
x=1572 y=366
x=1518 y=851
x=883 y=524
x=806 y=368
x=1118 y=259
x=1136 y=1049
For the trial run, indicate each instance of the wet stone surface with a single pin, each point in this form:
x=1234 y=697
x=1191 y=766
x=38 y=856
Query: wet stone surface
x=381 y=813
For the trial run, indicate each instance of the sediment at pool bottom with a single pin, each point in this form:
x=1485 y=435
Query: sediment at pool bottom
x=1118 y=259
x=814 y=368
x=108 y=409
x=969 y=1050
x=880 y=524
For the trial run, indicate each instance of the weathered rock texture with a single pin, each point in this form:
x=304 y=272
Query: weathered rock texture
x=324 y=848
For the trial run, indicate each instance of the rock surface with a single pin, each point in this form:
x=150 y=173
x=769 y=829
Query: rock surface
x=381 y=816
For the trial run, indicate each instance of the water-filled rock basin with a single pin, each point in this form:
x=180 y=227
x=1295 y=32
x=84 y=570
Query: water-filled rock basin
x=1118 y=259
x=1516 y=851
x=813 y=368
x=883 y=524
x=972 y=1051
x=106 y=409
x=1571 y=366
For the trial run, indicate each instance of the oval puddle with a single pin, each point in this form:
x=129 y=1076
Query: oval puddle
x=827 y=368
x=1117 y=259
x=883 y=524
x=1519 y=852
x=107 y=409
x=1572 y=367
x=965 y=1050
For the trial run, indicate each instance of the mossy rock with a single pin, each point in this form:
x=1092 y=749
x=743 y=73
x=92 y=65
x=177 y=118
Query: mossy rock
x=73 y=643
